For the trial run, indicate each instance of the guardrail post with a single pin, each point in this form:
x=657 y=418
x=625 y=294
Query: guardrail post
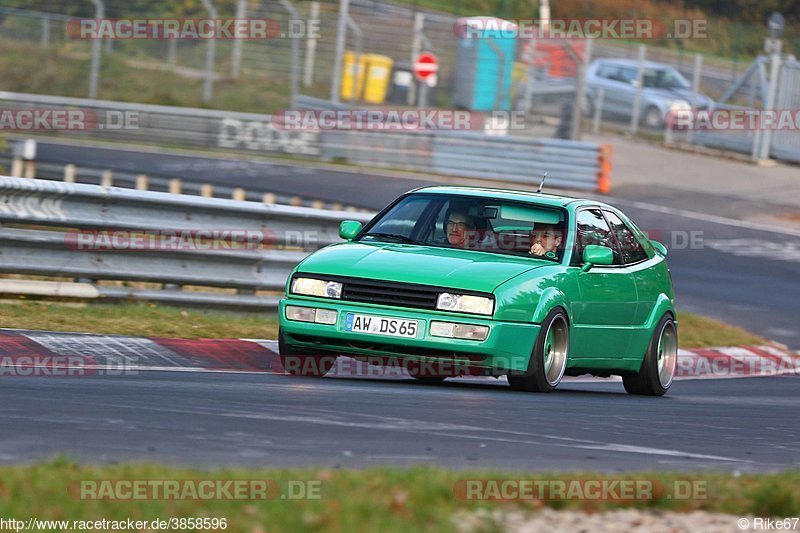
x=30 y=169
x=268 y=198
x=107 y=179
x=94 y=72
x=16 y=167
x=239 y=194
x=604 y=176
x=141 y=182
x=69 y=173
x=207 y=190
x=175 y=186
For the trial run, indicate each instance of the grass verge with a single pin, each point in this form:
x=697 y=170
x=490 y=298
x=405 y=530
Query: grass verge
x=374 y=499
x=151 y=320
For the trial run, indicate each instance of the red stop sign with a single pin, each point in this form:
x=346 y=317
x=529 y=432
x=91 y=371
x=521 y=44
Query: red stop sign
x=425 y=66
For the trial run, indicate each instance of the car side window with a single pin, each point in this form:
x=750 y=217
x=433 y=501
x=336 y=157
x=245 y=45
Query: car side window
x=627 y=74
x=609 y=72
x=592 y=228
x=631 y=249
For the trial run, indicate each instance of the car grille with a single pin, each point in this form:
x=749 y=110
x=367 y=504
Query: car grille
x=389 y=293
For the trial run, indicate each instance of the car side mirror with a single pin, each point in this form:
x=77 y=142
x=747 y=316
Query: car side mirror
x=660 y=248
x=597 y=255
x=348 y=229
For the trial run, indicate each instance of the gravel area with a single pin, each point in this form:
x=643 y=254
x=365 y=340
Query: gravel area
x=619 y=521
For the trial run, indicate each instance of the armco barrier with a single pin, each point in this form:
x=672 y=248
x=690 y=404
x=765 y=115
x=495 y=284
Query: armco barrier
x=279 y=238
x=503 y=158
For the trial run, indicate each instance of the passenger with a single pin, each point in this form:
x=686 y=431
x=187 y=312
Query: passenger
x=545 y=240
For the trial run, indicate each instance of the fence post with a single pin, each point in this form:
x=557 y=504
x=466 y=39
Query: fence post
x=359 y=47
x=210 y=52
x=341 y=35
x=172 y=51
x=580 y=91
x=236 y=50
x=311 y=47
x=94 y=72
x=772 y=93
x=295 y=45
x=637 y=100
x=416 y=48
x=598 y=110
x=696 y=78
x=45 y=31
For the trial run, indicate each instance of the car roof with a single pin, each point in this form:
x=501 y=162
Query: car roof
x=635 y=63
x=541 y=198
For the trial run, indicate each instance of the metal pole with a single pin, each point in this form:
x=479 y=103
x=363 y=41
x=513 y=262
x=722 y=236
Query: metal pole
x=45 y=31
x=772 y=92
x=580 y=91
x=416 y=48
x=341 y=35
x=359 y=47
x=295 y=44
x=696 y=76
x=94 y=72
x=236 y=50
x=311 y=48
x=208 y=84
x=598 y=110
x=637 y=100
x=172 y=51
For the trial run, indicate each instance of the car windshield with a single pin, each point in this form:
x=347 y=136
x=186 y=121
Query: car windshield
x=665 y=79
x=469 y=223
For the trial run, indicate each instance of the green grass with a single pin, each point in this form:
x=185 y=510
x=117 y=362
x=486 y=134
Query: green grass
x=153 y=320
x=374 y=499
x=26 y=67
x=138 y=319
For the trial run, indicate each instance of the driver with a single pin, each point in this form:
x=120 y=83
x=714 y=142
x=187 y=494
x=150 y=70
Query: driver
x=545 y=240
x=458 y=227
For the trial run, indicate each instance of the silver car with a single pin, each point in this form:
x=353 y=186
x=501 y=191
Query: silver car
x=665 y=90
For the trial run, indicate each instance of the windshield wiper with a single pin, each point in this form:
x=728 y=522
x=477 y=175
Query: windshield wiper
x=398 y=238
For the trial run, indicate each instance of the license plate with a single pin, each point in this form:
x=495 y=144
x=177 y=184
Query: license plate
x=377 y=325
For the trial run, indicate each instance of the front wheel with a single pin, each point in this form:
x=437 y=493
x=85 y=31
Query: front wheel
x=658 y=367
x=298 y=363
x=549 y=358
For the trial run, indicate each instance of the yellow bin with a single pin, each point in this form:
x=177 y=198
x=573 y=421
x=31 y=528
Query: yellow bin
x=352 y=77
x=379 y=72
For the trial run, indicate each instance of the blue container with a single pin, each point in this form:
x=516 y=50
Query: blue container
x=484 y=63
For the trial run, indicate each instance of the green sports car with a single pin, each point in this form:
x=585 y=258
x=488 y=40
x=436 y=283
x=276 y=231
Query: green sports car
x=461 y=280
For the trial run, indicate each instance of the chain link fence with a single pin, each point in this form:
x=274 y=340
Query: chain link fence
x=267 y=75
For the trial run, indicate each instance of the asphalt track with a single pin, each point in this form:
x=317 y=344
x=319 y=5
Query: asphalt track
x=758 y=291
x=744 y=425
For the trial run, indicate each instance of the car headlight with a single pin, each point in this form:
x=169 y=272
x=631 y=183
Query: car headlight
x=317 y=287
x=465 y=303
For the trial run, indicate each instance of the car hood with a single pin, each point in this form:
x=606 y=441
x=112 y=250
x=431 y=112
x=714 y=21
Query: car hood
x=425 y=265
x=694 y=99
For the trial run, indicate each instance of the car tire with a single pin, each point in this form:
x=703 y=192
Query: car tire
x=548 y=360
x=652 y=118
x=660 y=360
x=299 y=363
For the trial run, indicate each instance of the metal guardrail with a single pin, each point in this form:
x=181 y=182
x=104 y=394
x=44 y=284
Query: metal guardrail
x=503 y=158
x=264 y=242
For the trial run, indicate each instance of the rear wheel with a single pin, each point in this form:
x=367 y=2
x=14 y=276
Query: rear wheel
x=299 y=363
x=658 y=367
x=549 y=358
x=652 y=118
